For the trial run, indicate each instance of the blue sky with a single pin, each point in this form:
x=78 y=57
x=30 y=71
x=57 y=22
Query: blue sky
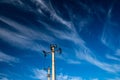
x=88 y=31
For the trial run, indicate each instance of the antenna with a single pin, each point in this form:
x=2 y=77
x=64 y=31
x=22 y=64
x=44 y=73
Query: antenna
x=54 y=49
x=48 y=73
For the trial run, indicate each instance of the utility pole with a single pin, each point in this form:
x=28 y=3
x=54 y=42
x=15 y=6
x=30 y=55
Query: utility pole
x=53 y=47
x=48 y=73
x=53 y=61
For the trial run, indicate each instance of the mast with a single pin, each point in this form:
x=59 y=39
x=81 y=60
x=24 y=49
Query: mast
x=53 y=50
x=53 y=62
x=48 y=73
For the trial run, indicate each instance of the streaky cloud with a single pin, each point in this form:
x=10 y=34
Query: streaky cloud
x=69 y=60
x=86 y=55
x=118 y=52
x=116 y=78
x=72 y=35
x=108 y=39
x=85 y=52
x=72 y=61
x=112 y=57
x=24 y=30
x=8 y=58
x=109 y=36
x=42 y=75
x=25 y=37
x=18 y=40
x=67 y=77
x=4 y=78
x=53 y=15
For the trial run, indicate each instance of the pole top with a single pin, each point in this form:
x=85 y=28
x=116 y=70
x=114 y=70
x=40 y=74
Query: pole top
x=53 y=46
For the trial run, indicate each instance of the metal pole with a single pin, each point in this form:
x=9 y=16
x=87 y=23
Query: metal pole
x=53 y=63
x=52 y=47
x=48 y=73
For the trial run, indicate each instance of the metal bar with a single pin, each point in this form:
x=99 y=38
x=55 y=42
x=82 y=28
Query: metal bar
x=53 y=63
x=48 y=73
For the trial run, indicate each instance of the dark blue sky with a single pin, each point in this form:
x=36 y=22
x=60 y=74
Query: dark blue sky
x=88 y=31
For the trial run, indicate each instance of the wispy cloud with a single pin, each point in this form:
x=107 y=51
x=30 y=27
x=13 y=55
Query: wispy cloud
x=42 y=75
x=4 y=78
x=53 y=15
x=71 y=36
x=11 y=1
x=61 y=76
x=95 y=79
x=118 y=52
x=14 y=38
x=109 y=13
x=71 y=61
x=108 y=39
x=32 y=34
x=109 y=36
x=84 y=52
x=7 y=58
x=18 y=3
x=112 y=57
x=86 y=55
x=117 y=78
x=25 y=37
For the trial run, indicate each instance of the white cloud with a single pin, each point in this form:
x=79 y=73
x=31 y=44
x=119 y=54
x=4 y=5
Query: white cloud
x=67 y=77
x=84 y=52
x=14 y=38
x=95 y=79
x=109 y=13
x=18 y=3
x=55 y=17
x=111 y=41
x=7 y=58
x=117 y=78
x=68 y=60
x=106 y=37
x=4 y=78
x=86 y=55
x=61 y=20
x=11 y=1
x=112 y=57
x=42 y=75
x=24 y=39
x=24 y=30
x=26 y=36
x=71 y=61
x=71 y=36
x=118 y=52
